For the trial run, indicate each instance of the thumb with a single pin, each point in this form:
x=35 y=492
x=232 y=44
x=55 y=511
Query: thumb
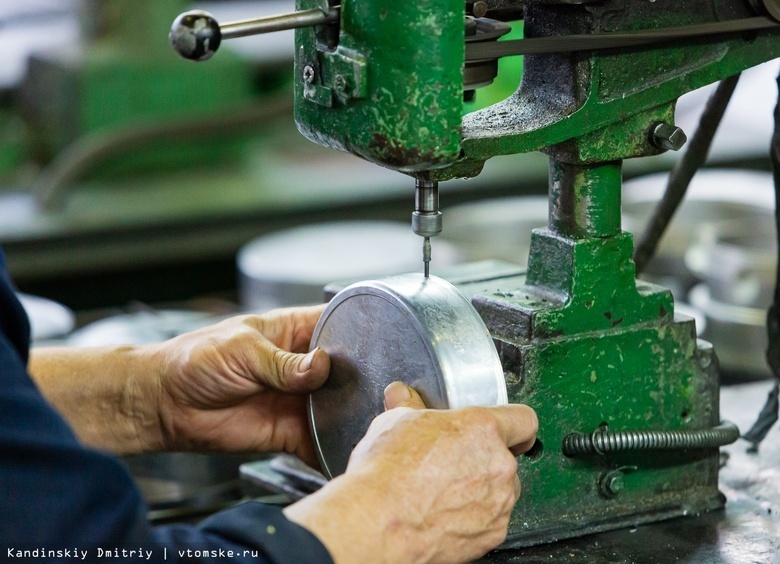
x=291 y=372
x=399 y=394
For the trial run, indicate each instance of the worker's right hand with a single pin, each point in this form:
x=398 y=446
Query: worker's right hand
x=423 y=485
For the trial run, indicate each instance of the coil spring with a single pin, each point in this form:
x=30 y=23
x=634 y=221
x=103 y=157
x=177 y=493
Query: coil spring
x=602 y=441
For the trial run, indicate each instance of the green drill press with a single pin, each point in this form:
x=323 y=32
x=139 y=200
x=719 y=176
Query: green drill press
x=627 y=396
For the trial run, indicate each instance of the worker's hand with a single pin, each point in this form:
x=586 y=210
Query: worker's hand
x=241 y=385
x=423 y=485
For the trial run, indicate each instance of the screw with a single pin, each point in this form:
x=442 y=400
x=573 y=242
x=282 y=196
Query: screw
x=480 y=9
x=340 y=83
x=667 y=136
x=308 y=74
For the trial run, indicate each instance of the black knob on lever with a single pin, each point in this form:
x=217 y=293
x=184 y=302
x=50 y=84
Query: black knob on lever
x=195 y=35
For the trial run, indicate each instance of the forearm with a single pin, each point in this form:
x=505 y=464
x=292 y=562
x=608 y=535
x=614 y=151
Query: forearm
x=109 y=395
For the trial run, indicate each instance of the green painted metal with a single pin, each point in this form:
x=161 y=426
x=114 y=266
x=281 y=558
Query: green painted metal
x=646 y=377
x=408 y=113
x=124 y=74
x=585 y=200
x=586 y=344
x=410 y=118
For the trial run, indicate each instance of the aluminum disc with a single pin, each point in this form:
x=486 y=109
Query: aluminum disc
x=407 y=328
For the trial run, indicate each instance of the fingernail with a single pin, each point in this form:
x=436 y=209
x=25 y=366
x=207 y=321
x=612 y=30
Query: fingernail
x=397 y=394
x=308 y=360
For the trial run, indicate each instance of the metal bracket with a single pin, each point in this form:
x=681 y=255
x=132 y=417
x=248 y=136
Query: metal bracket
x=345 y=73
x=341 y=75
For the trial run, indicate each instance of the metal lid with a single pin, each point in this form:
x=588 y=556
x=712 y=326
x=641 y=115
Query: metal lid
x=420 y=331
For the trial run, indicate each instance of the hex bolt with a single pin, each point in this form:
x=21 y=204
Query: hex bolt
x=480 y=9
x=615 y=484
x=611 y=483
x=340 y=83
x=667 y=136
x=308 y=74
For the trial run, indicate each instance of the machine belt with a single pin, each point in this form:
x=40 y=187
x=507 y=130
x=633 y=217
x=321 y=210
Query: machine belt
x=480 y=51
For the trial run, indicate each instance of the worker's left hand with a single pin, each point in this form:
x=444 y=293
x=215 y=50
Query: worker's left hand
x=241 y=385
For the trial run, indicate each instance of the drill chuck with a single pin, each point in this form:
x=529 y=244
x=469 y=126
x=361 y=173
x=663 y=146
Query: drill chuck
x=426 y=218
x=426 y=224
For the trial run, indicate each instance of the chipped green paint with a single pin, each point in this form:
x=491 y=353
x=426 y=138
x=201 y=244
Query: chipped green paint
x=593 y=191
x=630 y=379
x=625 y=94
x=645 y=375
x=586 y=344
x=581 y=275
x=410 y=116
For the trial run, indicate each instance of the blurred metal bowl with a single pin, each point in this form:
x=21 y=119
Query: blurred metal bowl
x=291 y=267
x=495 y=229
x=738 y=261
x=738 y=334
x=714 y=196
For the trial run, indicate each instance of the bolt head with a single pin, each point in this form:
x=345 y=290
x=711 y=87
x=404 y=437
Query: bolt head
x=615 y=484
x=308 y=74
x=340 y=82
x=667 y=136
x=480 y=9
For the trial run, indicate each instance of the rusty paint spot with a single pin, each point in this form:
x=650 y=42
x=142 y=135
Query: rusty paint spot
x=662 y=311
x=617 y=322
x=391 y=154
x=608 y=314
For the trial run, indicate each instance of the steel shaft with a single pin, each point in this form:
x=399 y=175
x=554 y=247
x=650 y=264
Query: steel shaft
x=281 y=22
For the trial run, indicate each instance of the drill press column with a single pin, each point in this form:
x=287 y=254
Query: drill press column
x=585 y=200
x=600 y=355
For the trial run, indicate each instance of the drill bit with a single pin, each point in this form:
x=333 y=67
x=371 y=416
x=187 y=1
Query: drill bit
x=426 y=218
x=427 y=256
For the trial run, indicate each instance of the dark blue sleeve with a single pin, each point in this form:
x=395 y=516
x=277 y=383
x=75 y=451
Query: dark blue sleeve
x=58 y=496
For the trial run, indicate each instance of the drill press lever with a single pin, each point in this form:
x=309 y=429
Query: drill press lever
x=196 y=35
